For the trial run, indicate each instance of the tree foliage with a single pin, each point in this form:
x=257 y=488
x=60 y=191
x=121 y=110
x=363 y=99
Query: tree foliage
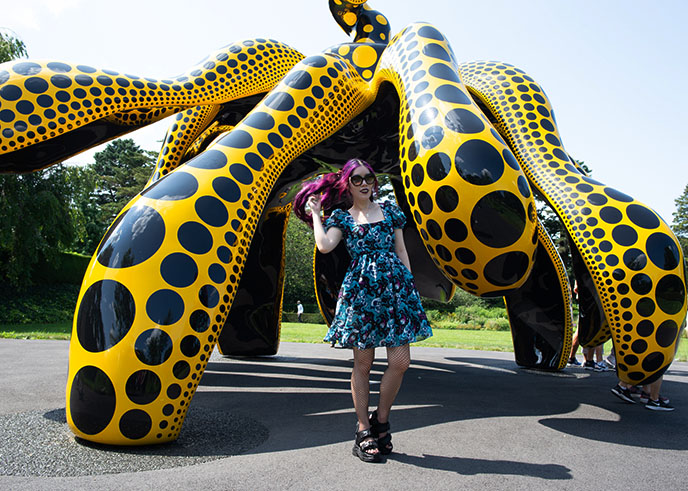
x=680 y=222
x=298 y=275
x=11 y=47
x=38 y=222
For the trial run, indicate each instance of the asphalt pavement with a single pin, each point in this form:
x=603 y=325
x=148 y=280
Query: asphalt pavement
x=463 y=420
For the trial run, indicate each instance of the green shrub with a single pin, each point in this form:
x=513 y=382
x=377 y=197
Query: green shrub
x=307 y=317
x=42 y=304
x=69 y=267
x=497 y=324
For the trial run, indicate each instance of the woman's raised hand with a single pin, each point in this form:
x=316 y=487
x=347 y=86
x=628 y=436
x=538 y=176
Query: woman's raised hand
x=314 y=204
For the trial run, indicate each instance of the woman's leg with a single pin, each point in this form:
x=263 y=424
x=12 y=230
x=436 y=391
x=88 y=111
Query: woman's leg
x=398 y=361
x=360 y=384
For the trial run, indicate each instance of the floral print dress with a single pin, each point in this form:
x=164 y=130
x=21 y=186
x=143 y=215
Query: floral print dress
x=378 y=304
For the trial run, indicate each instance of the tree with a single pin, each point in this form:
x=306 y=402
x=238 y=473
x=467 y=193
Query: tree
x=120 y=171
x=298 y=255
x=11 y=47
x=38 y=222
x=680 y=222
x=554 y=226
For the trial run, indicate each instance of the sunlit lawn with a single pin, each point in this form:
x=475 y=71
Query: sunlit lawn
x=313 y=333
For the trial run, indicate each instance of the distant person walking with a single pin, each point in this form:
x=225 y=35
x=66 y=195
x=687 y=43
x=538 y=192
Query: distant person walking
x=299 y=310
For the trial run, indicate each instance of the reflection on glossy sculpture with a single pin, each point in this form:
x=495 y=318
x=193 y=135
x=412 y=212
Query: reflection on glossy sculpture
x=197 y=257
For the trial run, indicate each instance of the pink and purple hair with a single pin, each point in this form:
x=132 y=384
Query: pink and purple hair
x=334 y=188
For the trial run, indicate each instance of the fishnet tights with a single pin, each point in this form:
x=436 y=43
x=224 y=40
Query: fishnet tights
x=398 y=361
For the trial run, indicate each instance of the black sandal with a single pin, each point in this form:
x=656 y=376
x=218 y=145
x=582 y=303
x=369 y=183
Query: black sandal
x=361 y=447
x=384 y=444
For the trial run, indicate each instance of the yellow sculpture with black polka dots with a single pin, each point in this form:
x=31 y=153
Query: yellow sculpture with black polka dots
x=468 y=145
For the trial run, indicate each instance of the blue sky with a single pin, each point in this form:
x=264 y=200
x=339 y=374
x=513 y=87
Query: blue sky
x=613 y=70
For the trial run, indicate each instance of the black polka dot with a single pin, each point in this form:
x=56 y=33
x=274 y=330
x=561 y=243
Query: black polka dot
x=430 y=33
x=523 y=186
x=237 y=139
x=635 y=259
x=210 y=159
x=464 y=255
x=315 y=61
x=260 y=121
x=506 y=269
x=670 y=294
x=36 y=85
x=60 y=81
x=510 y=159
x=624 y=235
x=199 y=321
x=153 y=347
x=425 y=203
x=106 y=314
x=617 y=195
x=209 y=296
x=174 y=391
x=642 y=217
x=27 y=68
x=645 y=328
x=241 y=173
x=456 y=230
x=92 y=400
x=641 y=284
x=168 y=409
x=479 y=163
x=417 y=175
x=135 y=424
x=666 y=333
x=444 y=72
x=645 y=307
x=181 y=369
x=432 y=137
x=439 y=165
x=254 y=161
x=280 y=101
x=662 y=251
x=190 y=346
x=217 y=273
x=653 y=361
x=498 y=219
x=223 y=253
x=463 y=121
x=195 y=237
x=143 y=387
x=165 y=307
x=639 y=346
x=428 y=115
x=435 y=232
x=227 y=189
x=610 y=214
x=447 y=199
x=211 y=211
x=133 y=238
x=451 y=93
x=173 y=187
x=434 y=50
x=10 y=93
x=179 y=270
x=597 y=199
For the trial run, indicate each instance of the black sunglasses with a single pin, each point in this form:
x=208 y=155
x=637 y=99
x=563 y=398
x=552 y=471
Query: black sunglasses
x=357 y=180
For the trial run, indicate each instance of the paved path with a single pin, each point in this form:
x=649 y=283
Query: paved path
x=464 y=420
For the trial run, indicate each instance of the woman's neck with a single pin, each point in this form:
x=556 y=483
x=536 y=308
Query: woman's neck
x=363 y=204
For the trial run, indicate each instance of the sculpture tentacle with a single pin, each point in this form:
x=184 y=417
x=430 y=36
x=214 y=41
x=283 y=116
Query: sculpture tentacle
x=633 y=257
x=54 y=110
x=470 y=200
x=170 y=264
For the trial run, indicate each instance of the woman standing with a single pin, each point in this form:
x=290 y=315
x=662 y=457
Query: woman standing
x=378 y=304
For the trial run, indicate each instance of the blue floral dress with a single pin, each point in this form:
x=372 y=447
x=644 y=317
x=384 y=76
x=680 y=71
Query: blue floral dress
x=378 y=304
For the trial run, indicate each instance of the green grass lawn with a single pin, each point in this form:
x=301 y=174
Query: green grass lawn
x=313 y=333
